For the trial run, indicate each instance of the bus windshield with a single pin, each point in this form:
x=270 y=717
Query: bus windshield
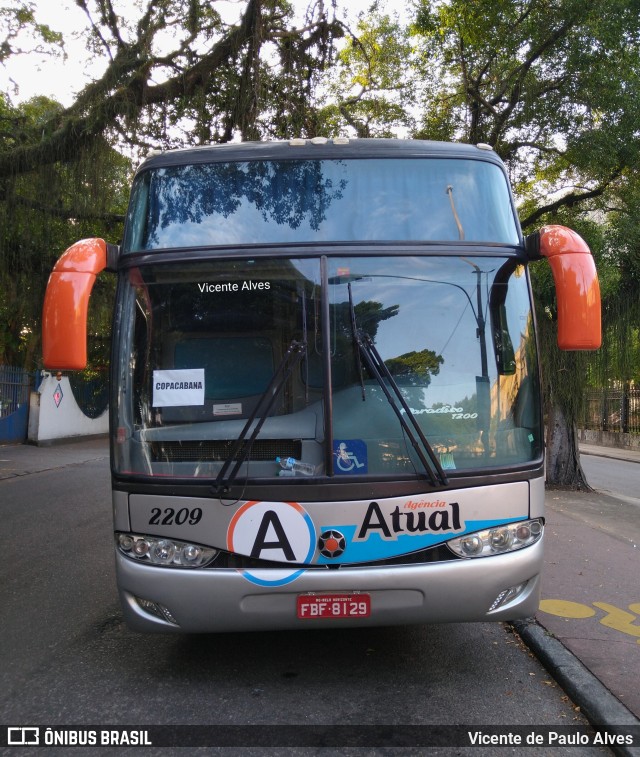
x=277 y=353
x=313 y=201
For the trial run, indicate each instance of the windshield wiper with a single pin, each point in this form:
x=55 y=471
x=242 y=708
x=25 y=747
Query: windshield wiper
x=380 y=372
x=456 y=217
x=242 y=446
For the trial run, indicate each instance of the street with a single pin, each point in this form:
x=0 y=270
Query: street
x=612 y=476
x=67 y=657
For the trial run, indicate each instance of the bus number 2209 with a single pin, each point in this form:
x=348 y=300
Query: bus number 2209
x=172 y=517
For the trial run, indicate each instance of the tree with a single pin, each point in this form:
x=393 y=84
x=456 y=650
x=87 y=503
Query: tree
x=619 y=359
x=369 y=88
x=175 y=73
x=415 y=368
x=18 y=18
x=41 y=213
x=553 y=86
x=212 y=83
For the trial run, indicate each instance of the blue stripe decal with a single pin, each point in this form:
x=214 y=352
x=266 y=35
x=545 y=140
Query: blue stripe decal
x=377 y=548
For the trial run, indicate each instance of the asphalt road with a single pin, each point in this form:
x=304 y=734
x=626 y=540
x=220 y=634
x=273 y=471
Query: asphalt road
x=67 y=658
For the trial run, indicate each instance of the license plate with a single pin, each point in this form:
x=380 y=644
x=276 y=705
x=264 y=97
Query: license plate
x=333 y=606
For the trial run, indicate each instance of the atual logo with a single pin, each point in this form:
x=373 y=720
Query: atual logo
x=443 y=518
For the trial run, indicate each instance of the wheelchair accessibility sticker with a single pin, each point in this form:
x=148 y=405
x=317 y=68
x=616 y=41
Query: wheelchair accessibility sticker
x=349 y=456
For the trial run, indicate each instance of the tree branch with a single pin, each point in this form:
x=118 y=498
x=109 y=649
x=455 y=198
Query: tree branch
x=94 y=27
x=567 y=201
x=94 y=111
x=65 y=213
x=520 y=75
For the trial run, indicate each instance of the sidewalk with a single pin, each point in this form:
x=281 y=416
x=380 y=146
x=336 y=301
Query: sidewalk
x=587 y=631
x=23 y=459
x=631 y=456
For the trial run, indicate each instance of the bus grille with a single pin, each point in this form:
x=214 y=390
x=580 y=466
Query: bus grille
x=195 y=451
x=438 y=553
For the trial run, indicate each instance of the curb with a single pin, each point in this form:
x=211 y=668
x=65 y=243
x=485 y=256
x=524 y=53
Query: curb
x=59 y=441
x=596 y=702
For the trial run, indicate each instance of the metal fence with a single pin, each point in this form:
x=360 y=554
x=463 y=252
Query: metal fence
x=91 y=392
x=15 y=384
x=616 y=410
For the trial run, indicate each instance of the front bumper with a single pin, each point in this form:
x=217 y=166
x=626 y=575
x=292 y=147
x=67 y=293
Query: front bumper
x=219 y=600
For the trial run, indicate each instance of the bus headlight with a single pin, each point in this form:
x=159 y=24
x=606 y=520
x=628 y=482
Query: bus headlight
x=498 y=540
x=158 y=550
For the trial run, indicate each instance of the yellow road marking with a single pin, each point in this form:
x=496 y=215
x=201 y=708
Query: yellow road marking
x=619 y=620
x=565 y=609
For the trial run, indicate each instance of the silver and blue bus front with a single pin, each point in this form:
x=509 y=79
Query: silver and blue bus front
x=283 y=564
x=313 y=421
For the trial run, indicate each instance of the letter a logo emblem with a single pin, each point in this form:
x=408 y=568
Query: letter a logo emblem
x=270 y=519
x=280 y=532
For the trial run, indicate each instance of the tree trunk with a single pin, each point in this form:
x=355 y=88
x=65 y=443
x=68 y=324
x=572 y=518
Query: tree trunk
x=563 y=455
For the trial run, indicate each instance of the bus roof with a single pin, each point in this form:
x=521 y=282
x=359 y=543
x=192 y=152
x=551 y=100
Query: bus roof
x=319 y=148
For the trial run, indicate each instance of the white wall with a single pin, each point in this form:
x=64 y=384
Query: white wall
x=54 y=413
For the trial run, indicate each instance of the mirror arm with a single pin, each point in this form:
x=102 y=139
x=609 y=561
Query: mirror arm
x=66 y=302
x=577 y=286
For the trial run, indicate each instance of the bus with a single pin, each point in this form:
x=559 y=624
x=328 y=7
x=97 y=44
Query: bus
x=325 y=402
